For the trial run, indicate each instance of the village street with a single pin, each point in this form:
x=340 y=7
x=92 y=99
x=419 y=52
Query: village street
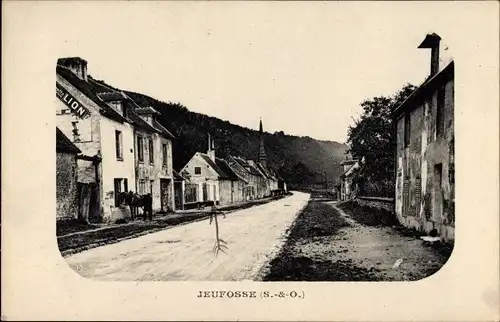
x=253 y=236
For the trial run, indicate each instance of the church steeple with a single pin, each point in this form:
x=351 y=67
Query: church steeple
x=262 y=157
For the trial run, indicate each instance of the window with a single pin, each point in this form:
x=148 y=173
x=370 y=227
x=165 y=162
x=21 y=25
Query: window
x=151 y=184
x=140 y=148
x=165 y=155
x=119 y=145
x=197 y=170
x=407 y=130
x=440 y=111
x=151 y=151
x=121 y=185
x=118 y=190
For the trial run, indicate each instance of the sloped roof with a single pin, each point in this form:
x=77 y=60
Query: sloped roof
x=111 y=96
x=224 y=166
x=256 y=169
x=146 y=110
x=214 y=166
x=137 y=110
x=250 y=168
x=268 y=172
x=140 y=123
x=100 y=94
x=90 y=90
x=70 y=61
x=177 y=176
x=425 y=89
x=162 y=129
x=64 y=144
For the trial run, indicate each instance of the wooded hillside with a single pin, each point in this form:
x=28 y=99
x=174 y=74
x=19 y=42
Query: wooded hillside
x=300 y=160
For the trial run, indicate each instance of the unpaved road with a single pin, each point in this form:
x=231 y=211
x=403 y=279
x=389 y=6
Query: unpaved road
x=254 y=236
x=326 y=244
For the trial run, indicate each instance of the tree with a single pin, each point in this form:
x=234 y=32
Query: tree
x=372 y=138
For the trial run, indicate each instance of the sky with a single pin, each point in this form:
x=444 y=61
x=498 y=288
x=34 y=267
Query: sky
x=303 y=68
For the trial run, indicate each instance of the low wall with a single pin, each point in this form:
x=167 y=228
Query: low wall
x=377 y=202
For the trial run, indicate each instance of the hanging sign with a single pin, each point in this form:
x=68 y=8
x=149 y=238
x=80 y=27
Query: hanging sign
x=74 y=105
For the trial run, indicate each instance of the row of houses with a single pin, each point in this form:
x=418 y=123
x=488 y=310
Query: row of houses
x=213 y=180
x=107 y=144
x=424 y=154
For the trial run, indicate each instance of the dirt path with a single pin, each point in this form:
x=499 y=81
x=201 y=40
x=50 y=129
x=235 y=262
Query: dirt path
x=253 y=236
x=327 y=245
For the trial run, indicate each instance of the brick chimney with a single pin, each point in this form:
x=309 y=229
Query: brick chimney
x=76 y=64
x=211 y=148
x=432 y=41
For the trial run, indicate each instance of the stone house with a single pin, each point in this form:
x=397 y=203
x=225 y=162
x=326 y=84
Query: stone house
x=254 y=178
x=263 y=186
x=425 y=160
x=347 y=189
x=210 y=180
x=231 y=186
x=66 y=177
x=153 y=159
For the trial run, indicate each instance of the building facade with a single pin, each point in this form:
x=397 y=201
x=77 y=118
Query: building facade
x=424 y=125
x=153 y=159
x=254 y=179
x=103 y=123
x=210 y=180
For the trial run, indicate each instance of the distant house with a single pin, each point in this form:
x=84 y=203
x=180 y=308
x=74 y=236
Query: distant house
x=281 y=183
x=210 y=180
x=347 y=189
x=66 y=177
x=425 y=158
x=263 y=186
x=263 y=180
x=252 y=176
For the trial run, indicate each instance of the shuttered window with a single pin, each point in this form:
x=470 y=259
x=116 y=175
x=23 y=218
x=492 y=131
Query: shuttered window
x=140 y=148
x=407 y=130
x=440 y=111
x=165 y=155
x=118 y=145
x=151 y=151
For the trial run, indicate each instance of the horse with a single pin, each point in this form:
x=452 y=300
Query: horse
x=133 y=200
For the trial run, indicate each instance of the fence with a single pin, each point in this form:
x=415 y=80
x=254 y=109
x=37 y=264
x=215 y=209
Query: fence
x=191 y=192
x=383 y=189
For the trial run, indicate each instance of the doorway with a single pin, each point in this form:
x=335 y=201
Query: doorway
x=165 y=195
x=437 y=195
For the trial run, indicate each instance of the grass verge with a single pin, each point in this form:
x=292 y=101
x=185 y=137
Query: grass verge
x=316 y=220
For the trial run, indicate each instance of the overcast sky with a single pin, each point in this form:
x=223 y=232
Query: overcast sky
x=303 y=67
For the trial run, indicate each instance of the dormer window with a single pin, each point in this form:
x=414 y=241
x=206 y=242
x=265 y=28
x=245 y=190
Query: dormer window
x=147 y=114
x=117 y=105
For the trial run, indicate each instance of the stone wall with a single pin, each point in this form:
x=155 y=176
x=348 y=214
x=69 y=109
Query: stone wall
x=379 y=203
x=66 y=191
